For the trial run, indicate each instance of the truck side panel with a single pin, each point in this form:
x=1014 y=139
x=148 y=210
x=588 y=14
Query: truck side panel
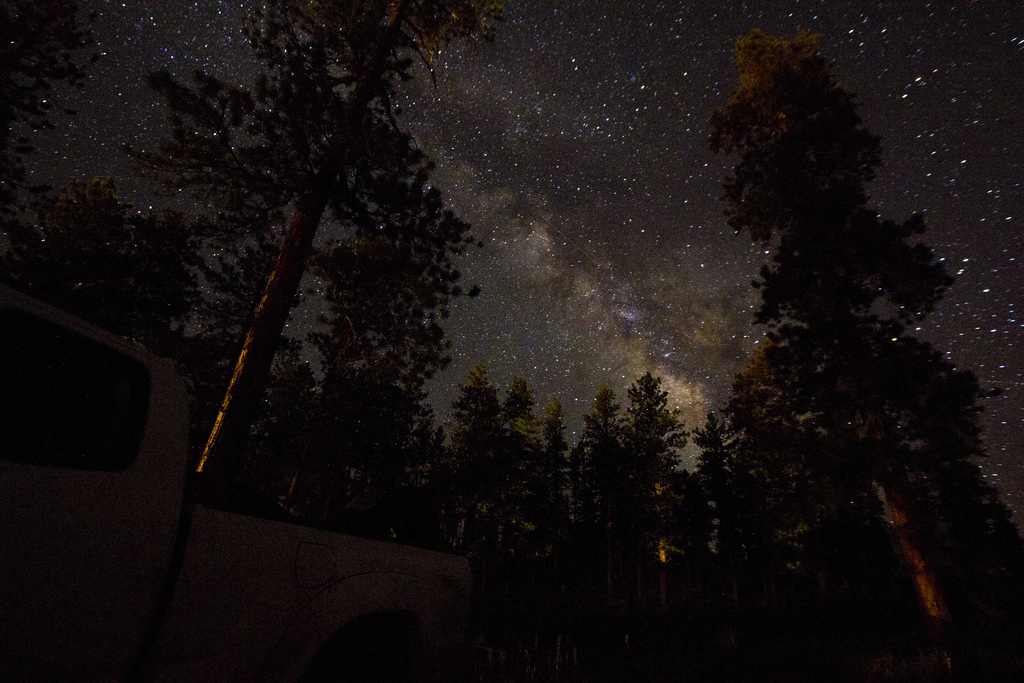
x=258 y=598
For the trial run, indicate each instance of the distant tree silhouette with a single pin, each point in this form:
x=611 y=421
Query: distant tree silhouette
x=552 y=497
x=596 y=473
x=480 y=471
x=652 y=436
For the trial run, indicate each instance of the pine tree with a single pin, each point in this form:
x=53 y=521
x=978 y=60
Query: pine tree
x=314 y=134
x=593 y=477
x=725 y=490
x=479 y=469
x=523 y=459
x=285 y=464
x=866 y=401
x=774 y=463
x=652 y=436
x=553 y=487
x=597 y=461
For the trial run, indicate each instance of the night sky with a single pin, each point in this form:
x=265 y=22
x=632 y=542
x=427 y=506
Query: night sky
x=576 y=145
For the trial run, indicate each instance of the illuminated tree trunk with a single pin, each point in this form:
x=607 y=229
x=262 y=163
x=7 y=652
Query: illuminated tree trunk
x=904 y=515
x=662 y=574
x=223 y=455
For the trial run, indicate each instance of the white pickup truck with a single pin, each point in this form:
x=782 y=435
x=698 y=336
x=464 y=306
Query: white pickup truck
x=108 y=574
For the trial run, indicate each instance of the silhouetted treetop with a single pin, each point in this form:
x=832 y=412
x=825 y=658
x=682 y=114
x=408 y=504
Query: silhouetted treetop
x=804 y=159
x=801 y=143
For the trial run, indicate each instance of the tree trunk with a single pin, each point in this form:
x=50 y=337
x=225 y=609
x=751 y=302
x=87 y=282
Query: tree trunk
x=735 y=580
x=663 y=586
x=608 y=564
x=223 y=455
x=905 y=521
x=291 y=489
x=662 y=575
x=770 y=594
x=639 y=582
x=231 y=428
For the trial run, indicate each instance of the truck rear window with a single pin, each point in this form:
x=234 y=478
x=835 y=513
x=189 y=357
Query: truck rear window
x=65 y=399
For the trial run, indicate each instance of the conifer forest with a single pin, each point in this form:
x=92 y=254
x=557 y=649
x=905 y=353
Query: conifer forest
x=827 y=522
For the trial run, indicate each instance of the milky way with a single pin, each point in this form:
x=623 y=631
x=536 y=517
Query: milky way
x=578 y=148
x=576 y=144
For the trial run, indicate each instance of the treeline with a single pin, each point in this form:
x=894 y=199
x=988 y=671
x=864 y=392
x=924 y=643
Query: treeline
x=608 y=558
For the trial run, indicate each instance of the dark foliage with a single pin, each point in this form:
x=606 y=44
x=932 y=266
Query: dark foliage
x=40 y=48
x=316 y=135
x=843 y=399
x=88 y=253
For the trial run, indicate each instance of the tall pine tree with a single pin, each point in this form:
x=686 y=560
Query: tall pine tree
x=315 y=134
x=652 y=435
x=872 y=403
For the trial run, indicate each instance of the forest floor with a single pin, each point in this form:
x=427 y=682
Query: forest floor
x=833 y=641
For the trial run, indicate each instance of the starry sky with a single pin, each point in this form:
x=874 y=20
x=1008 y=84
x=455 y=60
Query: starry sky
x=576 y=145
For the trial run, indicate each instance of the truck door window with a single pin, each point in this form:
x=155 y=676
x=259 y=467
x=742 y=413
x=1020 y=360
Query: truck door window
x=65 y=399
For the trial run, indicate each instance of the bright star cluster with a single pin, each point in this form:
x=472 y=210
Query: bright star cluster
x=576 y=144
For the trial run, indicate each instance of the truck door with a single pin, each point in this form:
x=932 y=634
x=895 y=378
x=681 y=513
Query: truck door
x=93 y=451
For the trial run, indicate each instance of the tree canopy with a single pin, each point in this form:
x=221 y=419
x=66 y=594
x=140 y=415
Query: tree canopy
x=88 y=252
x=40 y=47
